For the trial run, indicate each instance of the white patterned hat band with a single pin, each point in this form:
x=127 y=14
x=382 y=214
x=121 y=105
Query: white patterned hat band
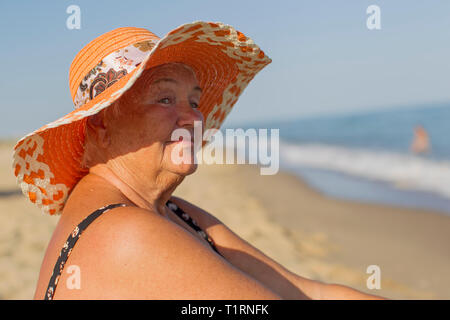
x=110 y=69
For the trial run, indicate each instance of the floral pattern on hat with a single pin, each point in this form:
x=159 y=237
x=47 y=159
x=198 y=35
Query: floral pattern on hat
x=145 y=45
x=110 y=69
x=105 y=80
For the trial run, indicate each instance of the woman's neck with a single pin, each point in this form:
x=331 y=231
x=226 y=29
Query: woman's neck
x=151 y=194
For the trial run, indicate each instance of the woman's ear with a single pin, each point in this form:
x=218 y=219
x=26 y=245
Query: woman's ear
x=97 y=125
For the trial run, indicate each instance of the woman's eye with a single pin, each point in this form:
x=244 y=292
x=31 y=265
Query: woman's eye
x=169 y=101
x=194 y=105
x=164 y=100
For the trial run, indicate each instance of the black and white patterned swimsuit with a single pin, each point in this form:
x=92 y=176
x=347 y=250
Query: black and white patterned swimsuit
x=76 y=233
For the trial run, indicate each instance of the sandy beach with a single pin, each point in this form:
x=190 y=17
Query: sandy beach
x=312 y=235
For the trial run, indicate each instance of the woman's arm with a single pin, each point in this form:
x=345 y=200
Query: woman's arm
x=341 y=292
x=258 y=265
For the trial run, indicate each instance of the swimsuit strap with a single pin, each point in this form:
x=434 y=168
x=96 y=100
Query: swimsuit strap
x=191 y=222
x=76 y=233
x=68 y=246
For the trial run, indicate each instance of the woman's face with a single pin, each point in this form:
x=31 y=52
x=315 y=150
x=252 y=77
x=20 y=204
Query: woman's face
x=164 y=99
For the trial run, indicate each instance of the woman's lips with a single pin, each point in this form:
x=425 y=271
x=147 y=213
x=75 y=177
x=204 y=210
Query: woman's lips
x=183 y=142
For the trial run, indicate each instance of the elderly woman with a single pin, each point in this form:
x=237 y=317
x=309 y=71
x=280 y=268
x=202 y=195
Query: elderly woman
x=108 y=169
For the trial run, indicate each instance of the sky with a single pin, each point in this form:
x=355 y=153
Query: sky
x=324 y=58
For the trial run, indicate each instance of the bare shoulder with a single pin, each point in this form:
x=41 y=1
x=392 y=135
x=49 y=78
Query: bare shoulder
x=137 y=254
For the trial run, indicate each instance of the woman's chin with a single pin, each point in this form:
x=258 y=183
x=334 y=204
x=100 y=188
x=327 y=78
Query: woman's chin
x=184 y=163
x=184 y=169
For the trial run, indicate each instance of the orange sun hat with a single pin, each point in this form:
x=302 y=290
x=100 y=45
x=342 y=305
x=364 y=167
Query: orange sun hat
x=47 y=162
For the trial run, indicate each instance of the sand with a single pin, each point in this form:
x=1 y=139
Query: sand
x=310 y=234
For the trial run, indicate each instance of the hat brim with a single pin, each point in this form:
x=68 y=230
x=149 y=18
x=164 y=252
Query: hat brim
x=47 y=162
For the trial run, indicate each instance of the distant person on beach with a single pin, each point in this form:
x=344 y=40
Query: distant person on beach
x=421 y=141
x=108 y=169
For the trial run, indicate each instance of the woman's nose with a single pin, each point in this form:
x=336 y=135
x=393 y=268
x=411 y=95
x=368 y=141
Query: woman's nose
x=187 y=115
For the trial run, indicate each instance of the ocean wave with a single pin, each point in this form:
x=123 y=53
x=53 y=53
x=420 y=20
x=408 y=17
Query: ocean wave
x=406 y=171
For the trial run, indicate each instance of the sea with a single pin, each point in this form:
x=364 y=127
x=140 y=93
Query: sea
x=366 y=156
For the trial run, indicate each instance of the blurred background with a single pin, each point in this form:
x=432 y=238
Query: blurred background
x=363 y=116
